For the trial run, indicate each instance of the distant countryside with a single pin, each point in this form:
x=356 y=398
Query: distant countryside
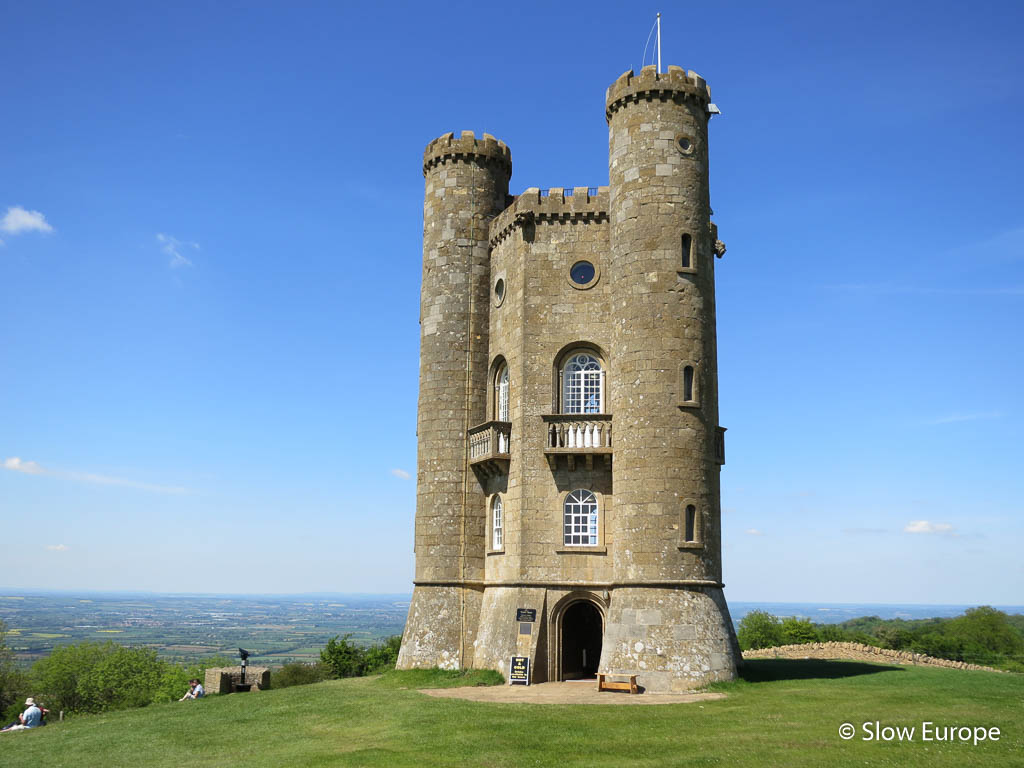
x=189 y=629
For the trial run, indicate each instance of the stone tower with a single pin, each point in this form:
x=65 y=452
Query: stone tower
x=569 y=446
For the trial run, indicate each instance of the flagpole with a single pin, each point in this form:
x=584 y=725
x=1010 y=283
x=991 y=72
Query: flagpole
x=659 y=44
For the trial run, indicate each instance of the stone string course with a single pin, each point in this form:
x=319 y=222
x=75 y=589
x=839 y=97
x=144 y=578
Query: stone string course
x=858 y=652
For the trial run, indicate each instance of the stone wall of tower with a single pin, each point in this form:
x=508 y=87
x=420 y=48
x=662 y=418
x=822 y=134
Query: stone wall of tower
x=663 y=316
x=648 y=314
x=466 y=186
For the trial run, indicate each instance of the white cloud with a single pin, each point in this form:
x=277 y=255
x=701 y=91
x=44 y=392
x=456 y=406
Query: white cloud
x=32 y=468
x=174 y=248
x=401 y=473
x=58 y=547
x=28 y=467
x=925 y=526
x=18 y=220
x=753 y=532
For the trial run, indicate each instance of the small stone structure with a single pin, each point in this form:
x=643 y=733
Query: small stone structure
x=858 y=652
x=568 y=433
x=223 y=679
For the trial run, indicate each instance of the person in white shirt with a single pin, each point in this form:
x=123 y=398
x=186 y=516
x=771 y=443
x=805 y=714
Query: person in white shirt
x=195 y=690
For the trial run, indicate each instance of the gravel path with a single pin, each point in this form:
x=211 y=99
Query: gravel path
x=564 y=693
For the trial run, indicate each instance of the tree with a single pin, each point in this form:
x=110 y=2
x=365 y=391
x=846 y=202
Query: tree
x=830 y=633
x=382 y=657
x=984 y=631
x=56 y=677
x=343 y=658
x=798 y=631
x=13 y=682
x=759 y=629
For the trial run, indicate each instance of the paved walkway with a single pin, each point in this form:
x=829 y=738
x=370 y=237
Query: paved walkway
x=564 y=693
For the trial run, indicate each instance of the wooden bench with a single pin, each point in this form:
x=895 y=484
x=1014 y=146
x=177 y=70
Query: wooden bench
x=604 y=684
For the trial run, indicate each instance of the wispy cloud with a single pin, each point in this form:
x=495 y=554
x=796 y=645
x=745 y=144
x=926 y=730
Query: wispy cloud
x=401 y=473
x=16 y=464
x=953 y=418
x=753 y=532
x=176 y=249
x=58 y=547
x=28 y=467
x=925 y=526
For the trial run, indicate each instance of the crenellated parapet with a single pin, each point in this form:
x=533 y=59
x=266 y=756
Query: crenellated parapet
x=677 y=83
x=558 y=204
x=467 y=148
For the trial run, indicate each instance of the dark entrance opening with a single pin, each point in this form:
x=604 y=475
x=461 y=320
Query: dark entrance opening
x=581 y=641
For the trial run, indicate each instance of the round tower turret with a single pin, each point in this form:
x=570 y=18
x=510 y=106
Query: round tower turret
x=664 y=395
x=466 y=186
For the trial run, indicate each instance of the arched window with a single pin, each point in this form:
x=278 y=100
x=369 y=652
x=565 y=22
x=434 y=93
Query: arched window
x=501 y=394
x=691 y=523
x=688 y=384
x=579 y=528
x=582 y=384
x=687 y=246
x=497 y=524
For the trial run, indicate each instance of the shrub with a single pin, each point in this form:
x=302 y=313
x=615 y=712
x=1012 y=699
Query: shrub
x=298 y=673
x=343 y=658
x=382 y=657
x=798 y=631
x=759 y=629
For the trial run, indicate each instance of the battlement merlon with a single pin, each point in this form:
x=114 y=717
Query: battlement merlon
x=677 y=83
x=555 y=204
x=468 y=147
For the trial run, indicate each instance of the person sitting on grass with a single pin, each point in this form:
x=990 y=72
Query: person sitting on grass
x=195 y=690
x=32 y=717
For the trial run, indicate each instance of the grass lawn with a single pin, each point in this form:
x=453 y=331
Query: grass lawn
x=784 y=713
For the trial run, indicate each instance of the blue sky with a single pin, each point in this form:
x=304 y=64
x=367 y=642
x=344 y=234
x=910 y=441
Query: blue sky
x=209 y=278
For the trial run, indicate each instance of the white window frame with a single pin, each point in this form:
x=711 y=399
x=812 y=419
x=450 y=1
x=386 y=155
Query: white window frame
x=583 y=379
x=501 y=388
x=497 y=523
x=580 y=519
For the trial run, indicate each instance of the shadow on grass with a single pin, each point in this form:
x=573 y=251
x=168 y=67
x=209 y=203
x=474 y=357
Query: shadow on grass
x=767 y=670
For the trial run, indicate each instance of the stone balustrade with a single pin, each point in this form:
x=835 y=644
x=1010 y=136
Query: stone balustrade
x=490 y=445
x=578 y=434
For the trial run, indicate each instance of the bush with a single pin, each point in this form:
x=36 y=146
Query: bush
x=298 y=673
x=383 y=657
x=759 y=629
x=346 y=659
x=343 y=658
x=798 y=631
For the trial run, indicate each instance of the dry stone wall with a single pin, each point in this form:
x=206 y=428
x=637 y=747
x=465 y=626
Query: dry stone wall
x=858 y=652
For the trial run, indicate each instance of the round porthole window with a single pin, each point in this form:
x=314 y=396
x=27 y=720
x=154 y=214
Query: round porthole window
x=582 y=273
x=499 y=291
x=684 y=144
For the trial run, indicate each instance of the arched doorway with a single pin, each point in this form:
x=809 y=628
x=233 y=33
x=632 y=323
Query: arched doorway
x=582 y=630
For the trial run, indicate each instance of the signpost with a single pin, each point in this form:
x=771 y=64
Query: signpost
x=519 y=670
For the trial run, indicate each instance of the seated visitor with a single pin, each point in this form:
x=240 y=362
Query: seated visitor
x=195 y=690
x=32 y=717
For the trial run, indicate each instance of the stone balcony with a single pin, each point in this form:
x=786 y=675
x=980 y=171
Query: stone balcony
x=489 y=447
x=578 y=437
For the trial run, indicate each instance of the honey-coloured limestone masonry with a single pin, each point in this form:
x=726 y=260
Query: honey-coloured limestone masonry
x=569 y=445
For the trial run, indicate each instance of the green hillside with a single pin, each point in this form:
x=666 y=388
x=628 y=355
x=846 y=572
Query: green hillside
x=784 y=713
